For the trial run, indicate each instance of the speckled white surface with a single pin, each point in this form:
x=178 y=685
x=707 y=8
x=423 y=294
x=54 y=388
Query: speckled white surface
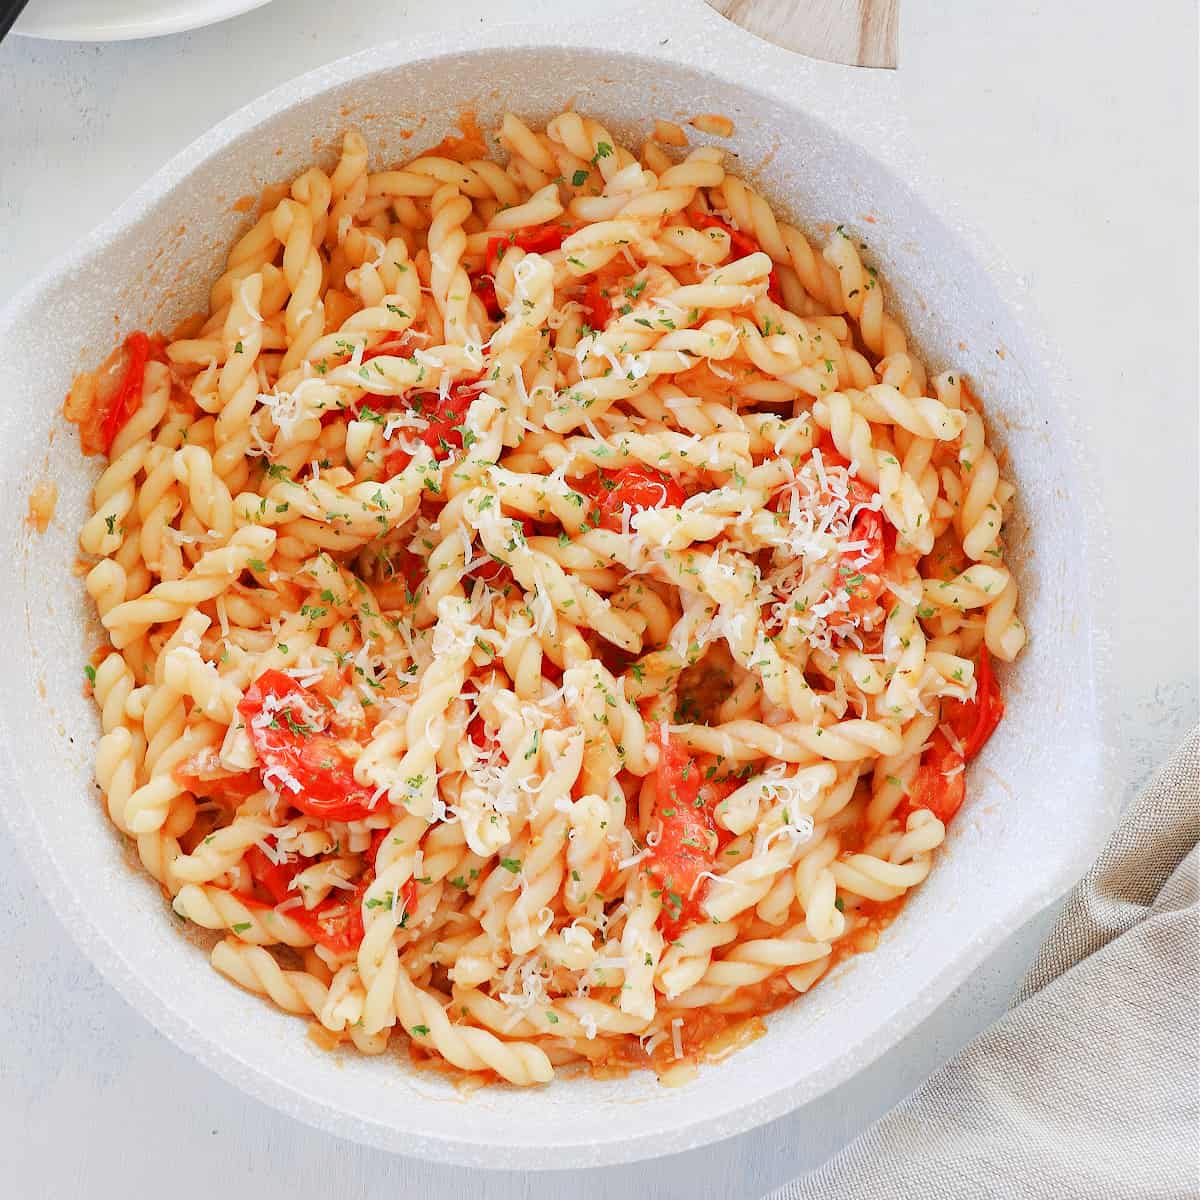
x=1147 y=723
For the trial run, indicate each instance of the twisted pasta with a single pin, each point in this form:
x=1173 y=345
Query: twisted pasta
x=550 y=607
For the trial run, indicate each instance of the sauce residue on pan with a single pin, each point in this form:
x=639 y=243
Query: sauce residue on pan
x=42 y=499
x=462 y=149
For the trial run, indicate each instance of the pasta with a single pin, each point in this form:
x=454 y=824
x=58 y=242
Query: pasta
x=549 y=606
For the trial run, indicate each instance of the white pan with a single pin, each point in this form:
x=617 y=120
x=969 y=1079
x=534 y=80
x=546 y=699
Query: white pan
x=1038 y=806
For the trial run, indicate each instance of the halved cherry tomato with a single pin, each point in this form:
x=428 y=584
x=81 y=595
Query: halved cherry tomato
x=103 y=410
x=287 y=723
x=399 y=345
x=444 y=433
x=742 y=244
x=975 y=720
x=538 y=239
x=491 y=571
x=274 y=878
x=939 y=783
x=861 y=570
x=129 y=395
x=639 y=487
x=687 y=843
x=410 y=567
x=336 y=923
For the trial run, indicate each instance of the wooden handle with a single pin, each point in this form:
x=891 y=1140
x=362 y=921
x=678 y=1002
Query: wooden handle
x=859 y=33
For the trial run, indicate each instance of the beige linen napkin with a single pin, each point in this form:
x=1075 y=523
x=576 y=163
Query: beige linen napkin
x=1088 y=1086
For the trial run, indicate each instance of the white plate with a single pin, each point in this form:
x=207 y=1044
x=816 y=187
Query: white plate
x=122 y=20
x=1039 y=807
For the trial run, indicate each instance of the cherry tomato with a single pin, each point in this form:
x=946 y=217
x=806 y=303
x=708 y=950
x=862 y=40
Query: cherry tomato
x=975 y=720
x=443 y=434
x=408 y=566
x=336 y=923
x=126 y=398
x=639 y=487
x=540 y=239
x=400 y=345
x=477 y=731
x=860 y=571
x=863 y=580
x=939 y=783
x=274 y=878
x=688 y=840
x=287 y=723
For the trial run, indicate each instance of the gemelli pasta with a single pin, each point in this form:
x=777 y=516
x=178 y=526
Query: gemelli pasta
x=549 y=606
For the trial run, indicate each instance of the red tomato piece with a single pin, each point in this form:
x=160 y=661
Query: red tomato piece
x=129 y=395
x=742 y=244
x=274 y=878
x=597 y=306
x=484 y=286
x=478 y=733
x=496 y=245
x=864 y=580
x=400 y=345
x=287 y=723
x=862 y=570
x=538 y=239
x=687 y=842
x=410 y=567
x=444 y=434
x=939 y=783
x=639 y=487
x=336 y=923
x=974 y=721
x=491 y=571
x=829 y=452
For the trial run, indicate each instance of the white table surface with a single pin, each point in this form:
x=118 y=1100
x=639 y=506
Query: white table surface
x=1071 y=130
